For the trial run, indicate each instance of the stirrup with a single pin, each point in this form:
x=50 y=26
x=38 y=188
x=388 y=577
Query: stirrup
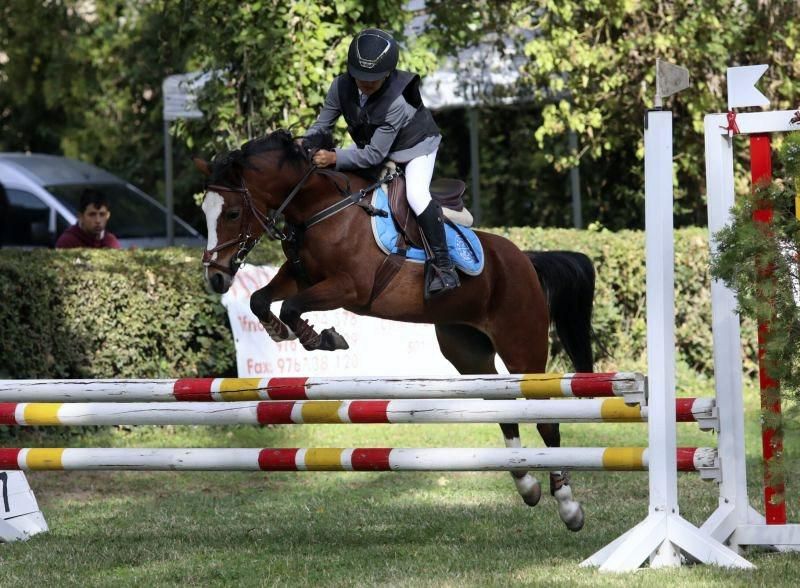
x=439 y=281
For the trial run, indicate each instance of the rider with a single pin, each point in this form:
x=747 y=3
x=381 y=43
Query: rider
x=387 y=120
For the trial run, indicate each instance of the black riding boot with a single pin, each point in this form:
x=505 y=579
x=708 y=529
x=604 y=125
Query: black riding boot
x=440 y=274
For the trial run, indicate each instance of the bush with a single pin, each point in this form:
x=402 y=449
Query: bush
x=104 y=314
x=620 y=311
x=147 y=314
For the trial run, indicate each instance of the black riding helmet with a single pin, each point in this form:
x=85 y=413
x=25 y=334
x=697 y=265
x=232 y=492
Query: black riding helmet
x=372 y=56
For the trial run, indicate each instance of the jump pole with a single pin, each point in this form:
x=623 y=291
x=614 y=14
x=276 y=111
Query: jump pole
x=735 y=521
x=663 y=534
x=608 y=410
x=628 y=385
x=351 y=459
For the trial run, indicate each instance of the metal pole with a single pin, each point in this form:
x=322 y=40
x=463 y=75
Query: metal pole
x=575 y=182
x=472 y=114
x=168 y=184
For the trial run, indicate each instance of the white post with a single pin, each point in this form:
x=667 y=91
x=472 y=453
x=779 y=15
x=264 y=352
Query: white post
x=660 y=255
x=733 y=501
x=735 y=521
x=663 y=535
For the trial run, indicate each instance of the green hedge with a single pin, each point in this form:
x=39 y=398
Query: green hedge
x=81 y=313
x=147 y=314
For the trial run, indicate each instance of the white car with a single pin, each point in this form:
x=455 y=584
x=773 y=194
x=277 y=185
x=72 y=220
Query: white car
x=44 y=193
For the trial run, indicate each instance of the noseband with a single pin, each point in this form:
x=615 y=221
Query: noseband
x=246 y=240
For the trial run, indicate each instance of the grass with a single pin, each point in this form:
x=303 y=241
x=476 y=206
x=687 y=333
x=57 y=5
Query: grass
x=354 y=529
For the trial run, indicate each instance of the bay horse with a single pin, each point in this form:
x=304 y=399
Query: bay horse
x=505 y=310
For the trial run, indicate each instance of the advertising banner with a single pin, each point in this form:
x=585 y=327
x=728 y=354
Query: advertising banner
x=377 y=347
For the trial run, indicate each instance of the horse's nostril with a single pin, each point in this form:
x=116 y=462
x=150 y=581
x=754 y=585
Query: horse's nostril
x=218 y=283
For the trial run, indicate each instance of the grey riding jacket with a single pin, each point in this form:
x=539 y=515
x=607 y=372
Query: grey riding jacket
x=391 y=124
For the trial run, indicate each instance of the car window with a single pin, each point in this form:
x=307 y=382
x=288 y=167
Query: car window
x=26 y=220
x=62 y=224
x=132 y=217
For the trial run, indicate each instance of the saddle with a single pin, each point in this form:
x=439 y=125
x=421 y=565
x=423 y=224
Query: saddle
x=449 y=193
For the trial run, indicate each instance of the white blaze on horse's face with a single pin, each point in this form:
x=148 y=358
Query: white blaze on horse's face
x=212 y=207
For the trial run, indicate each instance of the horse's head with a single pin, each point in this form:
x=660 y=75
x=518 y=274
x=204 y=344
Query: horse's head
x=243 y=186
x=230 y=233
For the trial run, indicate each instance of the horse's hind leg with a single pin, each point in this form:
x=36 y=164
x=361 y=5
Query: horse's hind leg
x=471 y=352
x=569 y=509
x=533 y=359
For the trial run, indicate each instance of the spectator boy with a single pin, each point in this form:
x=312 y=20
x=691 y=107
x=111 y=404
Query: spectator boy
x=90 y=230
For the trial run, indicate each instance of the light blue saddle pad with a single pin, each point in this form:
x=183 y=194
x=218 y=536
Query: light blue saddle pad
x=465 y=248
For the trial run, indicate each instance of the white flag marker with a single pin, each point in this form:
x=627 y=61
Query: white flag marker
x=742 y=89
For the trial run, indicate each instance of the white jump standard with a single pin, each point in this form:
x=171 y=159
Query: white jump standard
x=735 y=521
x=663 y=535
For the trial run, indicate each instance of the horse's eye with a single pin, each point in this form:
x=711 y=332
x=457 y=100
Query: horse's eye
x=232 y=214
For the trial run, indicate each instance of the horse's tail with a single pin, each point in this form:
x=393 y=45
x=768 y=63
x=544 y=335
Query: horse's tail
x=567 y=278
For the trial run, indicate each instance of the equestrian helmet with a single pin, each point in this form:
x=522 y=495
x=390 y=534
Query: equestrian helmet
x=372 y=56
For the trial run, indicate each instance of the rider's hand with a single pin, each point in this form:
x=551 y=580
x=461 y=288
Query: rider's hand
x=323 y=158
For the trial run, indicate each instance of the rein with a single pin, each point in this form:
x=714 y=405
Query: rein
x=350 y=200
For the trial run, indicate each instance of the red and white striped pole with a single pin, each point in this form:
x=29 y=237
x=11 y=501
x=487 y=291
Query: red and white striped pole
x=771 y=423
x=439 y=459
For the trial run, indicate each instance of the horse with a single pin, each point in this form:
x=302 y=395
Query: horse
x=333 y=260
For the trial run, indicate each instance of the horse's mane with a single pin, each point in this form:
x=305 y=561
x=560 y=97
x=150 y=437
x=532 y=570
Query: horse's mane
x=226 y=168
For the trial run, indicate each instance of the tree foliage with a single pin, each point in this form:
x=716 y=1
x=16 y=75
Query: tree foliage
x=592 y=63
x=760 y=263
x=84 y=79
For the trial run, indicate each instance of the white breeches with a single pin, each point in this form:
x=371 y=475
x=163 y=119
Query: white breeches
x=419 y=172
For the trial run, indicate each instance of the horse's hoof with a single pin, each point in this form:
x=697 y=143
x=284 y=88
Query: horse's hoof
x=572 y=515
x=529 y=489
x=330 y=340
x=570 y=510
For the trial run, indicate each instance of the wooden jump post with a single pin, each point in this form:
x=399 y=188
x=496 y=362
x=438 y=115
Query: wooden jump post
x=663 y=535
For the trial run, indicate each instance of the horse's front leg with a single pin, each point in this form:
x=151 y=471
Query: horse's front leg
x=281 y=286
x=333 y=292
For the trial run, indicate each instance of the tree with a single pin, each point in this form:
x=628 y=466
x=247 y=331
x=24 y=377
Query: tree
x=84 y=79
x=35 y=68
x=592 y=64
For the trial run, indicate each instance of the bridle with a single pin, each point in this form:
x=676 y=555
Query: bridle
x=246 y=240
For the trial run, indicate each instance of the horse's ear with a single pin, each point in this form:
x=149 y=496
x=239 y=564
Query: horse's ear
x=202 y=166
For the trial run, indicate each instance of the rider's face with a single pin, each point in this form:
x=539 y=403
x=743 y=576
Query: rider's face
x=369 y=88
